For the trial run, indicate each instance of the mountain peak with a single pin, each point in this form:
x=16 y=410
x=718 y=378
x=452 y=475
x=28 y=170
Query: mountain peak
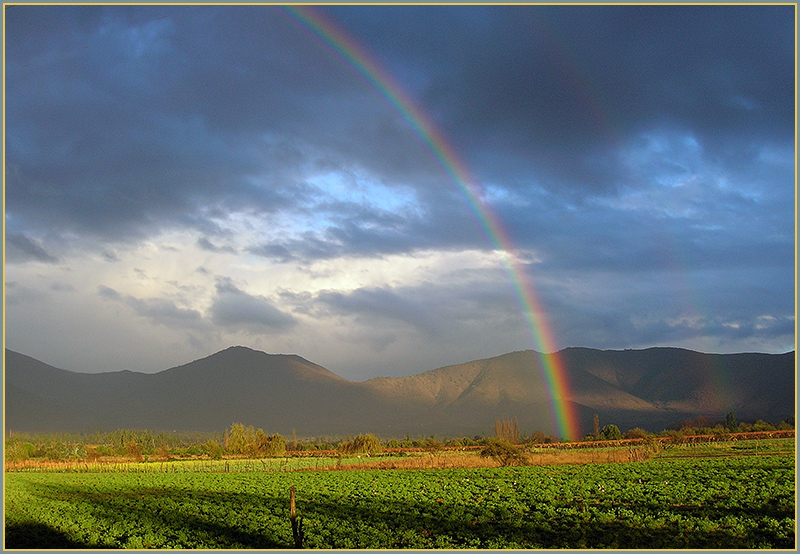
x=649 y=388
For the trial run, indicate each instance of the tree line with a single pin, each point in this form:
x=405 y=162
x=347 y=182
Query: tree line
x=247 y=441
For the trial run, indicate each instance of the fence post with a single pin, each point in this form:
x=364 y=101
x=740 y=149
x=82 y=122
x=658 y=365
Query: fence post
x=297 y=525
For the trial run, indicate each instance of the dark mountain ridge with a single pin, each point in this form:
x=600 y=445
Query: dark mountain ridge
x=651 y=388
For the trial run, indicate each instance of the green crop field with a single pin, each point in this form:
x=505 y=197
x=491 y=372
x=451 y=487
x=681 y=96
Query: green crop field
x=724 y=502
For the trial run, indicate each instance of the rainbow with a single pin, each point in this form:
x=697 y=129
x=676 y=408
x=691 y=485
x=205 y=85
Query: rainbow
x=364 y=64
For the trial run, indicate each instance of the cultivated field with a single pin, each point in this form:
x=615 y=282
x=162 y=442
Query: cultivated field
x=719 y=495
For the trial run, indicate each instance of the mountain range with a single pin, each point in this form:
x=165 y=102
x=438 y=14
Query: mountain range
x=653 y=388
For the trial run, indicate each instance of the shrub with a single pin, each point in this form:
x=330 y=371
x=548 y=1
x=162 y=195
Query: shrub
x=503 y=452
x=135 y=451
x=17 y=450
x=432 y=445
x=674 y=436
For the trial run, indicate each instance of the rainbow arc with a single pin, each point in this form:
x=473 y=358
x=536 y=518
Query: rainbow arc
x=354 y=55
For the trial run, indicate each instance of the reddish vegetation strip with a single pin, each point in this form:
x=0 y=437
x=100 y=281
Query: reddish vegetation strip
x=684 y=439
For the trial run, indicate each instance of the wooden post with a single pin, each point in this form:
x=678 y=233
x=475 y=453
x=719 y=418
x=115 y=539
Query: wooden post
x=297 y=525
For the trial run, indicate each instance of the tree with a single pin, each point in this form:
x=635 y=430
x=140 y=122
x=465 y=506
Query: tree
x=432 y=445
x=636 y=433
x=503 y=452
x=761 y=425
x=235 y=440
x=507 y=429
x=730 y=421
x=610 y=433
x=596 y=426
x=362 y=444
x=212 y=449
x=270 y=446
x=538 y=437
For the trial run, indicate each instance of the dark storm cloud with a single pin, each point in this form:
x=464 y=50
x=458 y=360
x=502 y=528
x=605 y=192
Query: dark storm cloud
x=142 y=118
x=548 y=95
x=124 y=122
x=563 y=86
x=636 y=156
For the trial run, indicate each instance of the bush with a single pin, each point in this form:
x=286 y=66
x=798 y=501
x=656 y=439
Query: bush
x=93 y=453
x=17 y=450
x=503 y=452
x=786 y=425
x=135 y=451
x=674 y=436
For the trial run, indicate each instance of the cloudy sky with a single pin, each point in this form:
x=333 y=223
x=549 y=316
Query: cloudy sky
x=180 y=179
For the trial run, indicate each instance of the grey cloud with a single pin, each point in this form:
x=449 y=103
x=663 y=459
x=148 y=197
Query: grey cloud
x=164 y=311
x=208 y=246
x=458 y=306
x=62 y=287
x=108 y=292
x=726 y=333
x=109 y=256
x=158 y=310
x=233 y=307
x=18 y=294
x=354 y=230
x=712 y=309
x=21 y=248
x=385 y=304
x=278 y=252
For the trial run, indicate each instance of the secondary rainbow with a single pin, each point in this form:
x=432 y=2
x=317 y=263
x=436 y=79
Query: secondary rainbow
x=368 y=68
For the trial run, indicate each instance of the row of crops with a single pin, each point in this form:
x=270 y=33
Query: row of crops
x=684 y=502
x=230 y=465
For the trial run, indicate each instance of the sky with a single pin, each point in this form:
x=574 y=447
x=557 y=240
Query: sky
x=181 y=179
